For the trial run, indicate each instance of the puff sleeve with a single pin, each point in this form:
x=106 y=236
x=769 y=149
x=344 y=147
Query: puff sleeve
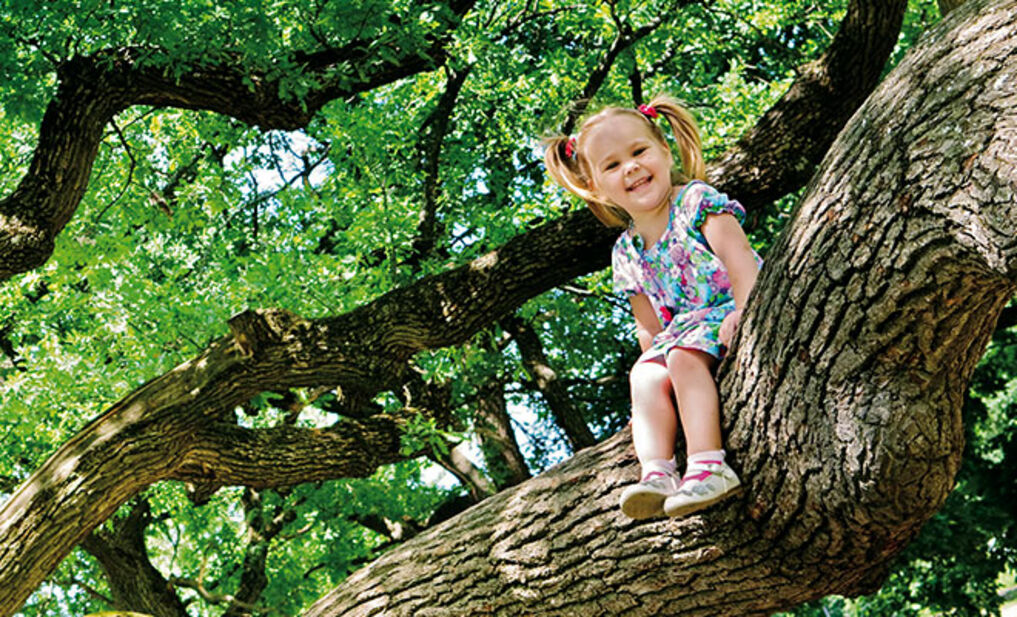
x=625 y=267
x=702 y=200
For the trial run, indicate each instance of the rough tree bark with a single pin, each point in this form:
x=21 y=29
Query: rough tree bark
x=84 y=482
x=842 y=398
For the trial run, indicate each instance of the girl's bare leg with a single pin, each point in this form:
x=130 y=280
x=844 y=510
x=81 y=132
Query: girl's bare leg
x=654 y=428
x=654 y=422
x=691 y=376
x=708 y=478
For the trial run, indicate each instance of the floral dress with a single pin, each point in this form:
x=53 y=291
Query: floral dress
x=686 y=283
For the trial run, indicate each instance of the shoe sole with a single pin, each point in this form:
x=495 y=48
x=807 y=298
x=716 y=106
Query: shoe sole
x=640 y=505
x=692 y=508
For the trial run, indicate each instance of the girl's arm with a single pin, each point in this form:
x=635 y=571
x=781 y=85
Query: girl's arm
x=728 y=241
x=647 y=324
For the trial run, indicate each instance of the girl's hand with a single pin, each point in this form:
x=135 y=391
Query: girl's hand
x=729 y=326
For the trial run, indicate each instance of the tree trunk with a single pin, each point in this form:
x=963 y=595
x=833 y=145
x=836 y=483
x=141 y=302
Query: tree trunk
x=180 y=425
x=842 y=398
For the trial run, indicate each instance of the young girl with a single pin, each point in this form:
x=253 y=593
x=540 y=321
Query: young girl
x=687 y=268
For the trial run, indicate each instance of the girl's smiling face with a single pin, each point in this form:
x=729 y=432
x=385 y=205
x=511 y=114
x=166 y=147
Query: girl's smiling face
x=630 y=168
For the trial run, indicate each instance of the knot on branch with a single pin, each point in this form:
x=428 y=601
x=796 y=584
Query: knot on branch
x=200 y=493
x=23 y=245
x=255 y=330
x=201 y=482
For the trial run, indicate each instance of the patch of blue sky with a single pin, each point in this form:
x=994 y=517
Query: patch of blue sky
x=289 y=164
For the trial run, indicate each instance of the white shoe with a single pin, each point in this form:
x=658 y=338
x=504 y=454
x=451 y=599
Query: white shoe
x=646 y=498
x=705 y=483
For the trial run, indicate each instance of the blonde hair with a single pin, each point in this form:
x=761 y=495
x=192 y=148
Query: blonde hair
x=575 y=174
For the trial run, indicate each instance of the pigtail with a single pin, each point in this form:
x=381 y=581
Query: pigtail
x=686 y=136
x=566 y=168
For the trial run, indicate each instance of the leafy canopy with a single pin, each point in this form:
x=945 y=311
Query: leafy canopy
x=191 y=217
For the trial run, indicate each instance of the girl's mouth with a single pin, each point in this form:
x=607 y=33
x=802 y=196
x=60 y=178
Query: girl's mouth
x=640 y=182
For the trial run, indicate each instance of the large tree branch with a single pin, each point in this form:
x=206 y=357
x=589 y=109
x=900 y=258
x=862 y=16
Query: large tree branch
x=224 y=454
x=842 y=397
x=175 y=426
x=93 y=89
x=155 y=429
x=780 y=153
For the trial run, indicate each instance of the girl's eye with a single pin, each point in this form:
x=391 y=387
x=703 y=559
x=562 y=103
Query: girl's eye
x=639 y=151
x=610 y=166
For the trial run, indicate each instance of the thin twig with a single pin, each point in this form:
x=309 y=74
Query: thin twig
x=55 y=61
x=70 y=582
x=130 y=172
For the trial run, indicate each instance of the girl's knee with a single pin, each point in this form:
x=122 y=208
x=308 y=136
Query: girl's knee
x=683 y=361
x=648 y=379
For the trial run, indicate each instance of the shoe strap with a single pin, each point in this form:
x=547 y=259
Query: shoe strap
x=653 y=474
x=693 y=475
x=701 y=470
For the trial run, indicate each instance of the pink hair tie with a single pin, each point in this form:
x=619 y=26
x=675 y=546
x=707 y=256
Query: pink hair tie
x=649 y=111
x=570 y=147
